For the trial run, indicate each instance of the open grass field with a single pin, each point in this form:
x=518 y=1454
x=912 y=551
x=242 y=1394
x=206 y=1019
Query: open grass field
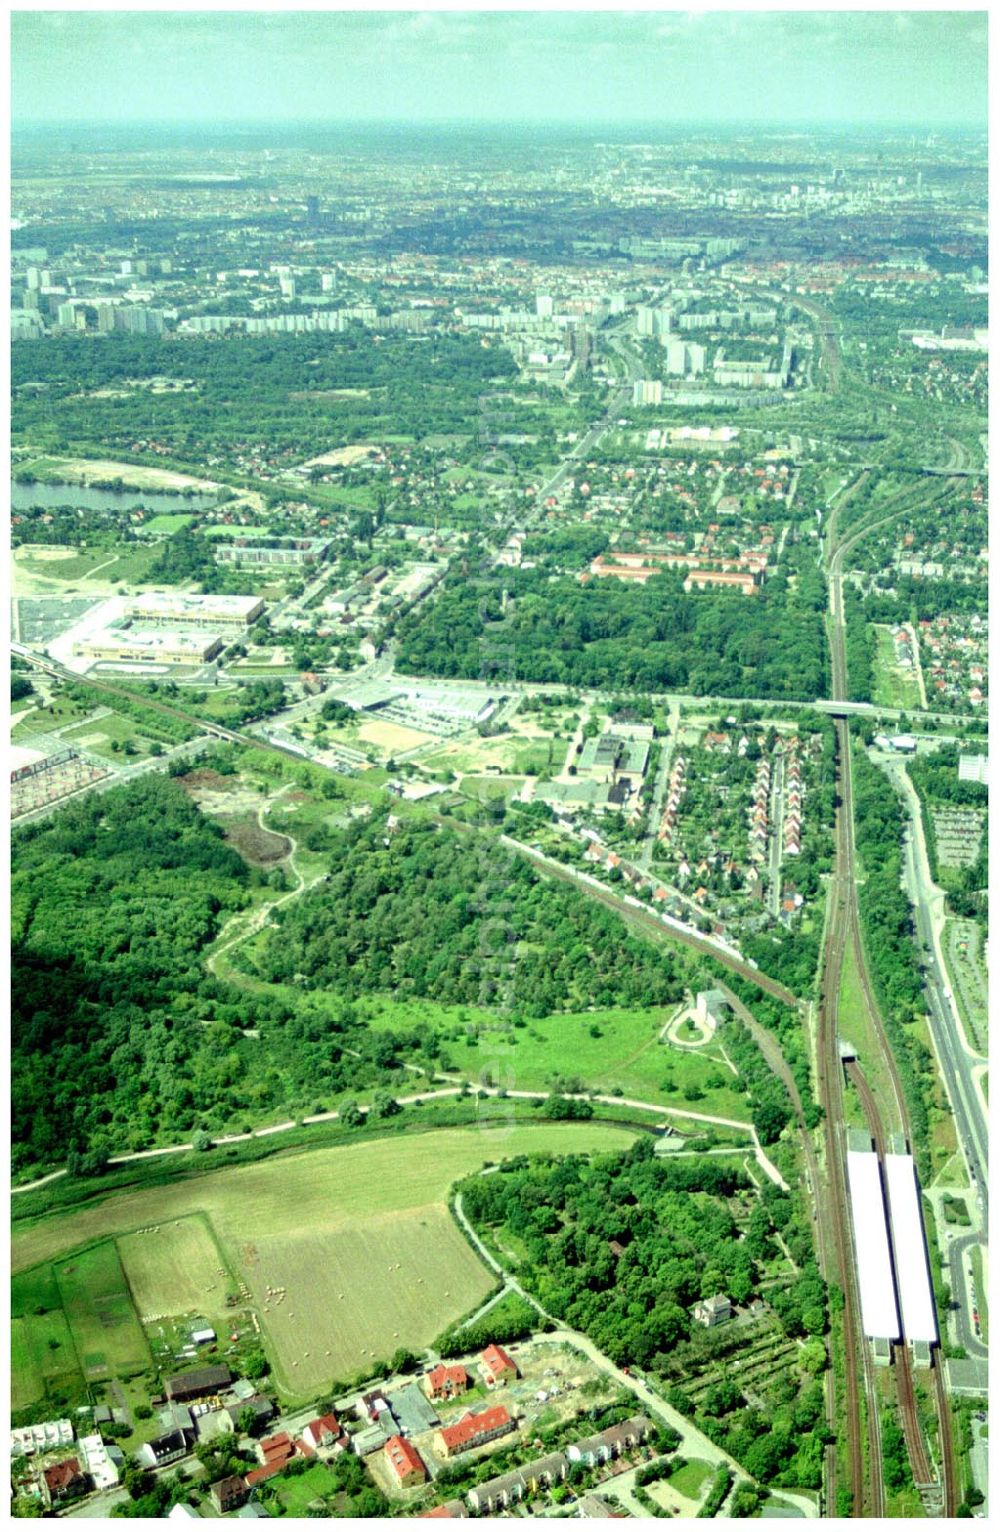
x=60 y=712
x=167 y=523
x=355 y=1293
x=173 y=1268
x=625 y=1054
x=98 y=1305
x=517 y=755
x=327 y=1221
x=36 y=573
x=42 y=1354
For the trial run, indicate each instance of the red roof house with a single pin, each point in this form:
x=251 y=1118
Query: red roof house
x=325 y=1431
x=405 y=1461
x=445 y=1382
x=474 y=1431
x=496 y=1364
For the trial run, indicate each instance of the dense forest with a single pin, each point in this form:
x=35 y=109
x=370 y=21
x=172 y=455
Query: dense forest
x=119 y=1035
x=652 y=637
x=422 y=912
x=274 y=389
x=122 y=1038
x=623 y=1245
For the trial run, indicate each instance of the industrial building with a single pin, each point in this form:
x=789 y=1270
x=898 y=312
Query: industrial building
x=916 y=1295
x=226 y=614
x=288 y=551
x=164 y=646
x=879 y=1313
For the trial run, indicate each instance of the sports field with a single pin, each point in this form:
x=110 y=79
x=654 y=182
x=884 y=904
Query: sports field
x=317 y=1224
x=174 y=1268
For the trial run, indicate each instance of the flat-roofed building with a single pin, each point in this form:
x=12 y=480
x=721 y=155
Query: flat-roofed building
x=161 y=646
x=175 y=610
x=289 y=551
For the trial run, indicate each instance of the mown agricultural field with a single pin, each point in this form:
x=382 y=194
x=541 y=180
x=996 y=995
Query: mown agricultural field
x=355 y=1293
x=175 y=1268
x=368 y=1220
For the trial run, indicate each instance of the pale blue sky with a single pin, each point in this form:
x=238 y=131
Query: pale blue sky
x=903 y=67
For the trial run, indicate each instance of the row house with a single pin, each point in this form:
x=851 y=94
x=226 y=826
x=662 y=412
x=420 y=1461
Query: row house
x=610 y=1444
x=510 y=1488
x=675 y=792
x=791 y=830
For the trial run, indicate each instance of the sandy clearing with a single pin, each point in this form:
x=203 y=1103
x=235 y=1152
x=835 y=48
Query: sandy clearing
x=392 y=736
x=77 y=471
x=342 y=456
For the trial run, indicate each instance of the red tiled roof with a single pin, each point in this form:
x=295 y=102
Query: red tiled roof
x=61 y=1475
x=404 y=1457
x=258 y=1475
x=494 y=1357
x=322 y=1424
x=470 y=1427
x=440 y=1376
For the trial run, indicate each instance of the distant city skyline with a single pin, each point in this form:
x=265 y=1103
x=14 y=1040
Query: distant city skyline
x=737 y=68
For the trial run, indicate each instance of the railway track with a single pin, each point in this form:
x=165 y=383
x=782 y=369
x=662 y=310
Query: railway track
x=206 y=726
x=650 y=922
x=836 y=1242
x=949 y=1473
x=846 y=927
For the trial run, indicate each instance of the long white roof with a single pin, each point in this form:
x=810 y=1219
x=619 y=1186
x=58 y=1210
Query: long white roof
x=916 y=1296
x=879 y=1315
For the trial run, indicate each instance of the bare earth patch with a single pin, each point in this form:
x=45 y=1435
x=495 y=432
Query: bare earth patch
x=259 y=847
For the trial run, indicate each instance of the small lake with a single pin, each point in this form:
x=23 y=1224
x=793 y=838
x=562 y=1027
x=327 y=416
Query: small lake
x=85 y=497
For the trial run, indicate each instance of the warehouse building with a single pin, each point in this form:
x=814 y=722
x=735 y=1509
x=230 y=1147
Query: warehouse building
x=916 y=1295
x=162 y=646
x=226 y=614
x=292 y=552
x=879 y=1312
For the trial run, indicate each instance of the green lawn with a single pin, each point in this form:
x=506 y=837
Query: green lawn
x=43 y=720
x=297 y=1492
x=167 y=523
x=98 y=1306
x=625 y=1055
x=690 y=1480
x=42 y=1355
x=224 y=529
x=115 y=729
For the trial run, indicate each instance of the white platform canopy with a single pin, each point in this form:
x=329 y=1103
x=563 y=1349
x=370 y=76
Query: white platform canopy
x=879 y=1314
x=916 y=1296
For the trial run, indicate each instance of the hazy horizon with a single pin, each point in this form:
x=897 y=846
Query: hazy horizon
x=910 y=71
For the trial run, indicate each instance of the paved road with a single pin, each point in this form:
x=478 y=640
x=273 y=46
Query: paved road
x=957 y=1249
x=667 y=747
x=956 y=1060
